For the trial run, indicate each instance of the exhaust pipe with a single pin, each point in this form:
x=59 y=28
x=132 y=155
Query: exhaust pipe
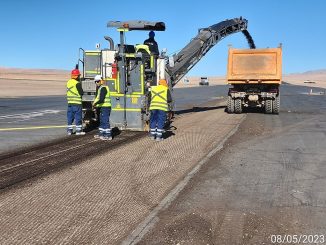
x=110 y=40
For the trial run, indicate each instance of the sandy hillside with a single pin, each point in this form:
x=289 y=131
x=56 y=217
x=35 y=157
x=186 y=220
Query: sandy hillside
x=16 y=82
x=34 y=74
x=194 y=81
x=315 y=78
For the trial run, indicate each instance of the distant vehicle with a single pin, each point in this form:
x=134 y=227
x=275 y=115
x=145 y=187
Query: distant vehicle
x=204 y=81
x=308 y=81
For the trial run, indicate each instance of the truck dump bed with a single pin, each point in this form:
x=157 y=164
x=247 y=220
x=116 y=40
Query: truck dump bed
x=254 y=66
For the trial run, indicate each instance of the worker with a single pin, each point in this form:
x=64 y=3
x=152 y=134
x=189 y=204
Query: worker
x=152 y=44
x=74 y=99
x=103 y=101
x=160 y=99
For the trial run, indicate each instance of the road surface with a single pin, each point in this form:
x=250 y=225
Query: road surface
x=26 y=121
x=267 y=183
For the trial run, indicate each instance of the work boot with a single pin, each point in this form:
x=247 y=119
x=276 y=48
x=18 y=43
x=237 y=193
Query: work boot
x=159 y=139
x=80 y=133
x=106 y=137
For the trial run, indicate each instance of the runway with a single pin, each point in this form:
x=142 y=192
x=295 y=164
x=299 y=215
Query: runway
x=26 y=121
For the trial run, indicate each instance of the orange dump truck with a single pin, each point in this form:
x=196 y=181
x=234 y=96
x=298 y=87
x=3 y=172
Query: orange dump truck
x=255 y=76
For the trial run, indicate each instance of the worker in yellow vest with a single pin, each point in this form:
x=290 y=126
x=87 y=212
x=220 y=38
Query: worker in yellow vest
x=160 y=99
x=103 y=101
x=74 y=99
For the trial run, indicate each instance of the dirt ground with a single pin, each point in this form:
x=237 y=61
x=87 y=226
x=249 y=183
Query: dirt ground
x=32 y=82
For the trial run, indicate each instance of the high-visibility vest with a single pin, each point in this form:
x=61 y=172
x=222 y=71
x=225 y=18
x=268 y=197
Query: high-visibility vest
x=107 y=99
x=159 y=98
x=73 y=96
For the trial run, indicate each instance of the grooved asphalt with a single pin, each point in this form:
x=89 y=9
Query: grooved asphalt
x=101 y=200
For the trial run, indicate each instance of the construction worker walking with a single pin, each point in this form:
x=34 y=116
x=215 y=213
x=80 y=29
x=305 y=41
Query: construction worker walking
x=74 y=99
x=103 y=101
x=160 y=99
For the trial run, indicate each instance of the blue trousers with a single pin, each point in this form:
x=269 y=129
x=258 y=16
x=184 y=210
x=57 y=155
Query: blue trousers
x=74 y=113
x=104 y=128
x=157 y=121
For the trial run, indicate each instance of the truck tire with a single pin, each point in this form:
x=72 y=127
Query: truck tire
x=238 y=106
x=230 y=105
x=276 y=105
x=268 y=106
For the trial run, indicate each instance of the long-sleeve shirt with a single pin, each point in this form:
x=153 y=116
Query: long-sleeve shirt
x=169 y=97
x=79 y=89
x=152 y=44
x=103 y=93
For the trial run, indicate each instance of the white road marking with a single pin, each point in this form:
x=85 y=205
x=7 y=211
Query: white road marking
x=29 y=115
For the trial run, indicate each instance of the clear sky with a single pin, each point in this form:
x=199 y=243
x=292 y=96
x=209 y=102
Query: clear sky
x=48 y=33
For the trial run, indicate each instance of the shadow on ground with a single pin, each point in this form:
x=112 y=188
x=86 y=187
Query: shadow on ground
x=198 y=109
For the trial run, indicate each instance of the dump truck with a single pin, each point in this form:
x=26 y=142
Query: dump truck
x=255 y=76
x=130 y=70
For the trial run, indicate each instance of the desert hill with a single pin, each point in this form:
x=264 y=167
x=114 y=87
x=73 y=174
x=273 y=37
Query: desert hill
x=15 y=82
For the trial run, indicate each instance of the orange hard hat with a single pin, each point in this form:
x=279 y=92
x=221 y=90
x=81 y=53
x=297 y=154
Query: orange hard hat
x=163 y=82
x=75 y=73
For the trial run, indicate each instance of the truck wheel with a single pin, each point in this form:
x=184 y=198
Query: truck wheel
x=276 y=105
x=230 y=105
x=268 y=106
x=238 y=106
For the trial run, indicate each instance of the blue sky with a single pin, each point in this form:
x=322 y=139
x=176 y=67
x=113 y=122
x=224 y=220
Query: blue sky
x=48 y=34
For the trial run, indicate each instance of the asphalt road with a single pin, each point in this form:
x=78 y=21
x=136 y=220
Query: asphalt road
x=20 y=119
x=267 y=186
x=27 y=121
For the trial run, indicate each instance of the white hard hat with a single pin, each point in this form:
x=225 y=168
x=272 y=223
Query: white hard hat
x=97 y=78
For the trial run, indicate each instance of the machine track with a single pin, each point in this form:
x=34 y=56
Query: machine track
x=28 y=163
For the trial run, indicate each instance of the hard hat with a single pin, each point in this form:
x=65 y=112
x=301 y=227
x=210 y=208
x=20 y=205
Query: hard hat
x=75 y=72
x=163 y=82
x=151 y=34
x=97 y=78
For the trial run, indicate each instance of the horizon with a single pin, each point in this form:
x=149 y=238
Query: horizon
x=323 y=70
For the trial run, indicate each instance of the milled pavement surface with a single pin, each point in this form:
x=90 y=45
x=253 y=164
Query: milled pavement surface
x=267 y=185
x=26 y=121
x=104 y=199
